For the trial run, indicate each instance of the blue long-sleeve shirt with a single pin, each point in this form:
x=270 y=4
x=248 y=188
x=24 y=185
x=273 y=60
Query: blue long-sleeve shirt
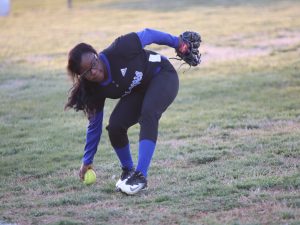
x=150 y=36
x=93 y=134
x=94 y=128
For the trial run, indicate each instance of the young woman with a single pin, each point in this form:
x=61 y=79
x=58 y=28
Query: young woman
x=146 y=84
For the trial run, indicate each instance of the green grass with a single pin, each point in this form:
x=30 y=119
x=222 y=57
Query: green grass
x=229 y=146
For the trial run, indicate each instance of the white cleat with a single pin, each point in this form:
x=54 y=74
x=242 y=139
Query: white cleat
x=134 y=184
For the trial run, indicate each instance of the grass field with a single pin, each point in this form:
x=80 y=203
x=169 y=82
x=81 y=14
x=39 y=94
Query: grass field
x=229 y=146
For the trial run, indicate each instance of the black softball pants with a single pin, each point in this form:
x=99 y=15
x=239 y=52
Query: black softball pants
x=144 y=107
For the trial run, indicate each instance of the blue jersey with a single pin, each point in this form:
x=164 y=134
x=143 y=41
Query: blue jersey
x=130 y=68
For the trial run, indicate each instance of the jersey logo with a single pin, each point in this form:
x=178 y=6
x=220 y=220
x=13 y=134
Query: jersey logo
x=137 y=79
x=123 y=71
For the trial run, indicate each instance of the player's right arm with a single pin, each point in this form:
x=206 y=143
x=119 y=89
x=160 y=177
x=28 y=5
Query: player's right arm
x=93 y=135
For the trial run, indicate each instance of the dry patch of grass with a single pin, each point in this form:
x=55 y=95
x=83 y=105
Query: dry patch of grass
x=265 y=213
x=267 y=128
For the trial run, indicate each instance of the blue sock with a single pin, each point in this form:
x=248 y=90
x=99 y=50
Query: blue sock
x=124 y=156
x=146 y=150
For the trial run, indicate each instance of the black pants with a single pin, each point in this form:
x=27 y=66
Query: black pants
x=144 y=107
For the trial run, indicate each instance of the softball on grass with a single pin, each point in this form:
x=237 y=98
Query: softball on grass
x=89 y=177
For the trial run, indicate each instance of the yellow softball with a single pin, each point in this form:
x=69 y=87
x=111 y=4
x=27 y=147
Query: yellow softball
x=89 y=177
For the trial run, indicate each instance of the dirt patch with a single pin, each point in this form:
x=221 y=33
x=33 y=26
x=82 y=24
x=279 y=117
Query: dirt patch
x=263 y=41
x=94 y=35
x=38 y=58
x=213 y=53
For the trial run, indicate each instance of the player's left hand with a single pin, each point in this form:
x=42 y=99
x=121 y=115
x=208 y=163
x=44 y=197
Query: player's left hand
x=188 y=48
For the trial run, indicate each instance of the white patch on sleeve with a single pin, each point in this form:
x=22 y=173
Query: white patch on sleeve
x=154 y=58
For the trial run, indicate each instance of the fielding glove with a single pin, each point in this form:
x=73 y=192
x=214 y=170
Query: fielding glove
x=188 y=48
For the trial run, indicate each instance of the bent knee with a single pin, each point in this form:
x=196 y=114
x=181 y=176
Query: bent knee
x=149 y=116
x=115 y=128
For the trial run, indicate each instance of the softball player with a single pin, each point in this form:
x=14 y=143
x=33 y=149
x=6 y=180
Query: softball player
x=146 y=84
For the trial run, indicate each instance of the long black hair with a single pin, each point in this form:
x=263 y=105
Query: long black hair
x=83 y=94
